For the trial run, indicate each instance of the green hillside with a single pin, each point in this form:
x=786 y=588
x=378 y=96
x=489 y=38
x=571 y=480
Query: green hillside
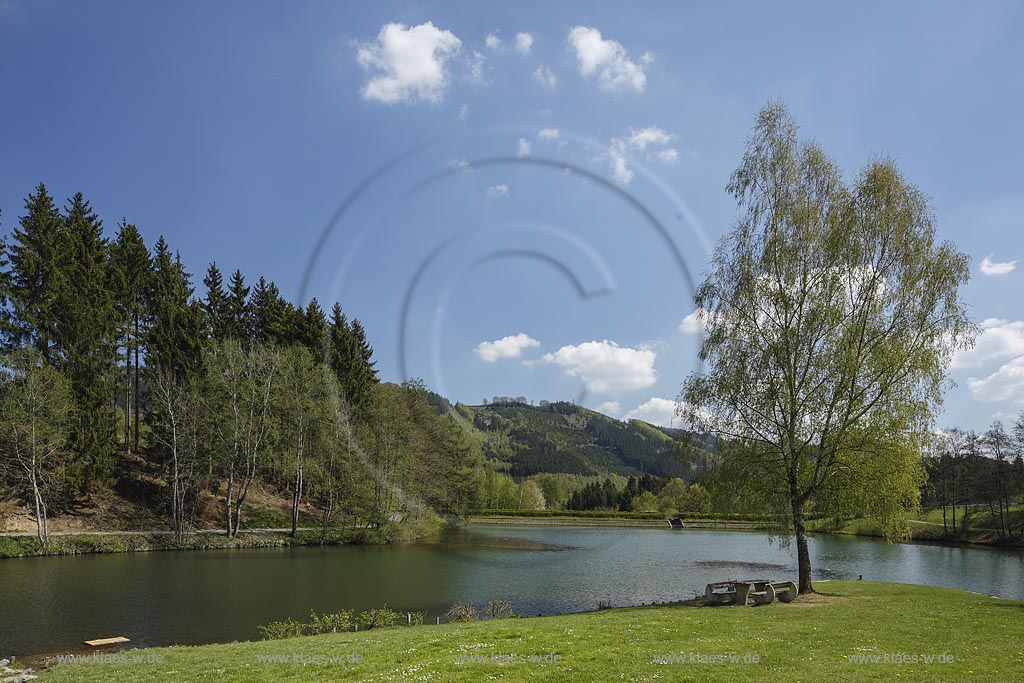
x=566 y=438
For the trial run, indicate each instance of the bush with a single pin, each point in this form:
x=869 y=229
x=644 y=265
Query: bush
x=461 y=611
x=499 y=609
x=383 y=617
x=276 y=630
x=416 y=618
x=329 y=623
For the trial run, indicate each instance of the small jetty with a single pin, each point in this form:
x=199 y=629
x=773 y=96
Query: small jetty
x=100 y=642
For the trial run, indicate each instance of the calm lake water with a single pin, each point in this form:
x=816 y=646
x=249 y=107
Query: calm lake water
x=52 y=604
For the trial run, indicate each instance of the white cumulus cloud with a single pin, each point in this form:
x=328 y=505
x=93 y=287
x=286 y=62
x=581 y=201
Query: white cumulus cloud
x=604 y=366
x=549 y=134
x=639 y=140
x=609 y=408
x=524 y=148
x=496 y=191
x=545 y=77
x=407 y=64
x=1005 y=384
x=645 y=137
x=524 y=42
x=994 y=268
x=998 y=339
x=511 y=346
x=492 y=42
x=692 y=323
x=657 y=411
x=606 y=60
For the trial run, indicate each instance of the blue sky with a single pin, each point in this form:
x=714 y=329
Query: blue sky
x=513 y=197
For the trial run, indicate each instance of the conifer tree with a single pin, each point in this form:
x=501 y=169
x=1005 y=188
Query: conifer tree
x=216 y=304
x=131 y=275
x=314 y=330
x=174 y=337
x=239 y=317
x=270 y=314
x=33 y=281
x=86 y=341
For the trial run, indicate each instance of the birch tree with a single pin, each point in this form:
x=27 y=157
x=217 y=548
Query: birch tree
x=830 y=315
x=240 y=385
x=177 y=410
x=305 y=416
x=36 y=403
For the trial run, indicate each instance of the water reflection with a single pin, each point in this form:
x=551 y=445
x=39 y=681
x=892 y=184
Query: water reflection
x=217 y=596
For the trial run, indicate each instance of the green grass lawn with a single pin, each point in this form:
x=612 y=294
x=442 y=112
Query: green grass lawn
x=811 y=639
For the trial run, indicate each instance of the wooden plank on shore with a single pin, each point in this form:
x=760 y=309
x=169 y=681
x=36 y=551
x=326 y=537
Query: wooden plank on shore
x=107 y=641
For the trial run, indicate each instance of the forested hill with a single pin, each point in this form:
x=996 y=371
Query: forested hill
x=570 y=439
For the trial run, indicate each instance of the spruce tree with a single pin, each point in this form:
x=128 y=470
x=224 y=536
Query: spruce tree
x=239 y=315
x=216 y=305
x=271 y=314
x=131 y=276
x=86 y=342
x=34 y=275
x=314 y=330
x=174 y=338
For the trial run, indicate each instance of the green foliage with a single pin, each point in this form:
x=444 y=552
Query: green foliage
x=84 y=340
x=377 y=618
x=277 y=630
x=645 y=502
x=335 y=622
x=568 y=439
x=231 y=400
x=831 y=313
x=35 y=409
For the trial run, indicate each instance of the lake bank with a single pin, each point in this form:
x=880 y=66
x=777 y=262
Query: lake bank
x=607 y=522
x=99 y=542
x=921 y=530
x=849 y=631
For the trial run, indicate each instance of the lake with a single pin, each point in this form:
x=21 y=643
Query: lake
x=52 y=604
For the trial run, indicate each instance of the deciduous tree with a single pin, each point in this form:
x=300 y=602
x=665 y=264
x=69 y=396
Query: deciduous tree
x=830 y=315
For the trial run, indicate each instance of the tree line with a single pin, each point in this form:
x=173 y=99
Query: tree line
x=971 y=473
x=110 y=355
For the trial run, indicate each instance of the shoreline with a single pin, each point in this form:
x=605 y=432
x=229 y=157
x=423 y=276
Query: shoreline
x=19 y=545
x=852 y=622
x=612 y=522
x=726 y=525
x=15 y=545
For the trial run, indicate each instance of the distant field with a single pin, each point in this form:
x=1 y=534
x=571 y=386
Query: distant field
x=927 y=526
x=850 y=631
